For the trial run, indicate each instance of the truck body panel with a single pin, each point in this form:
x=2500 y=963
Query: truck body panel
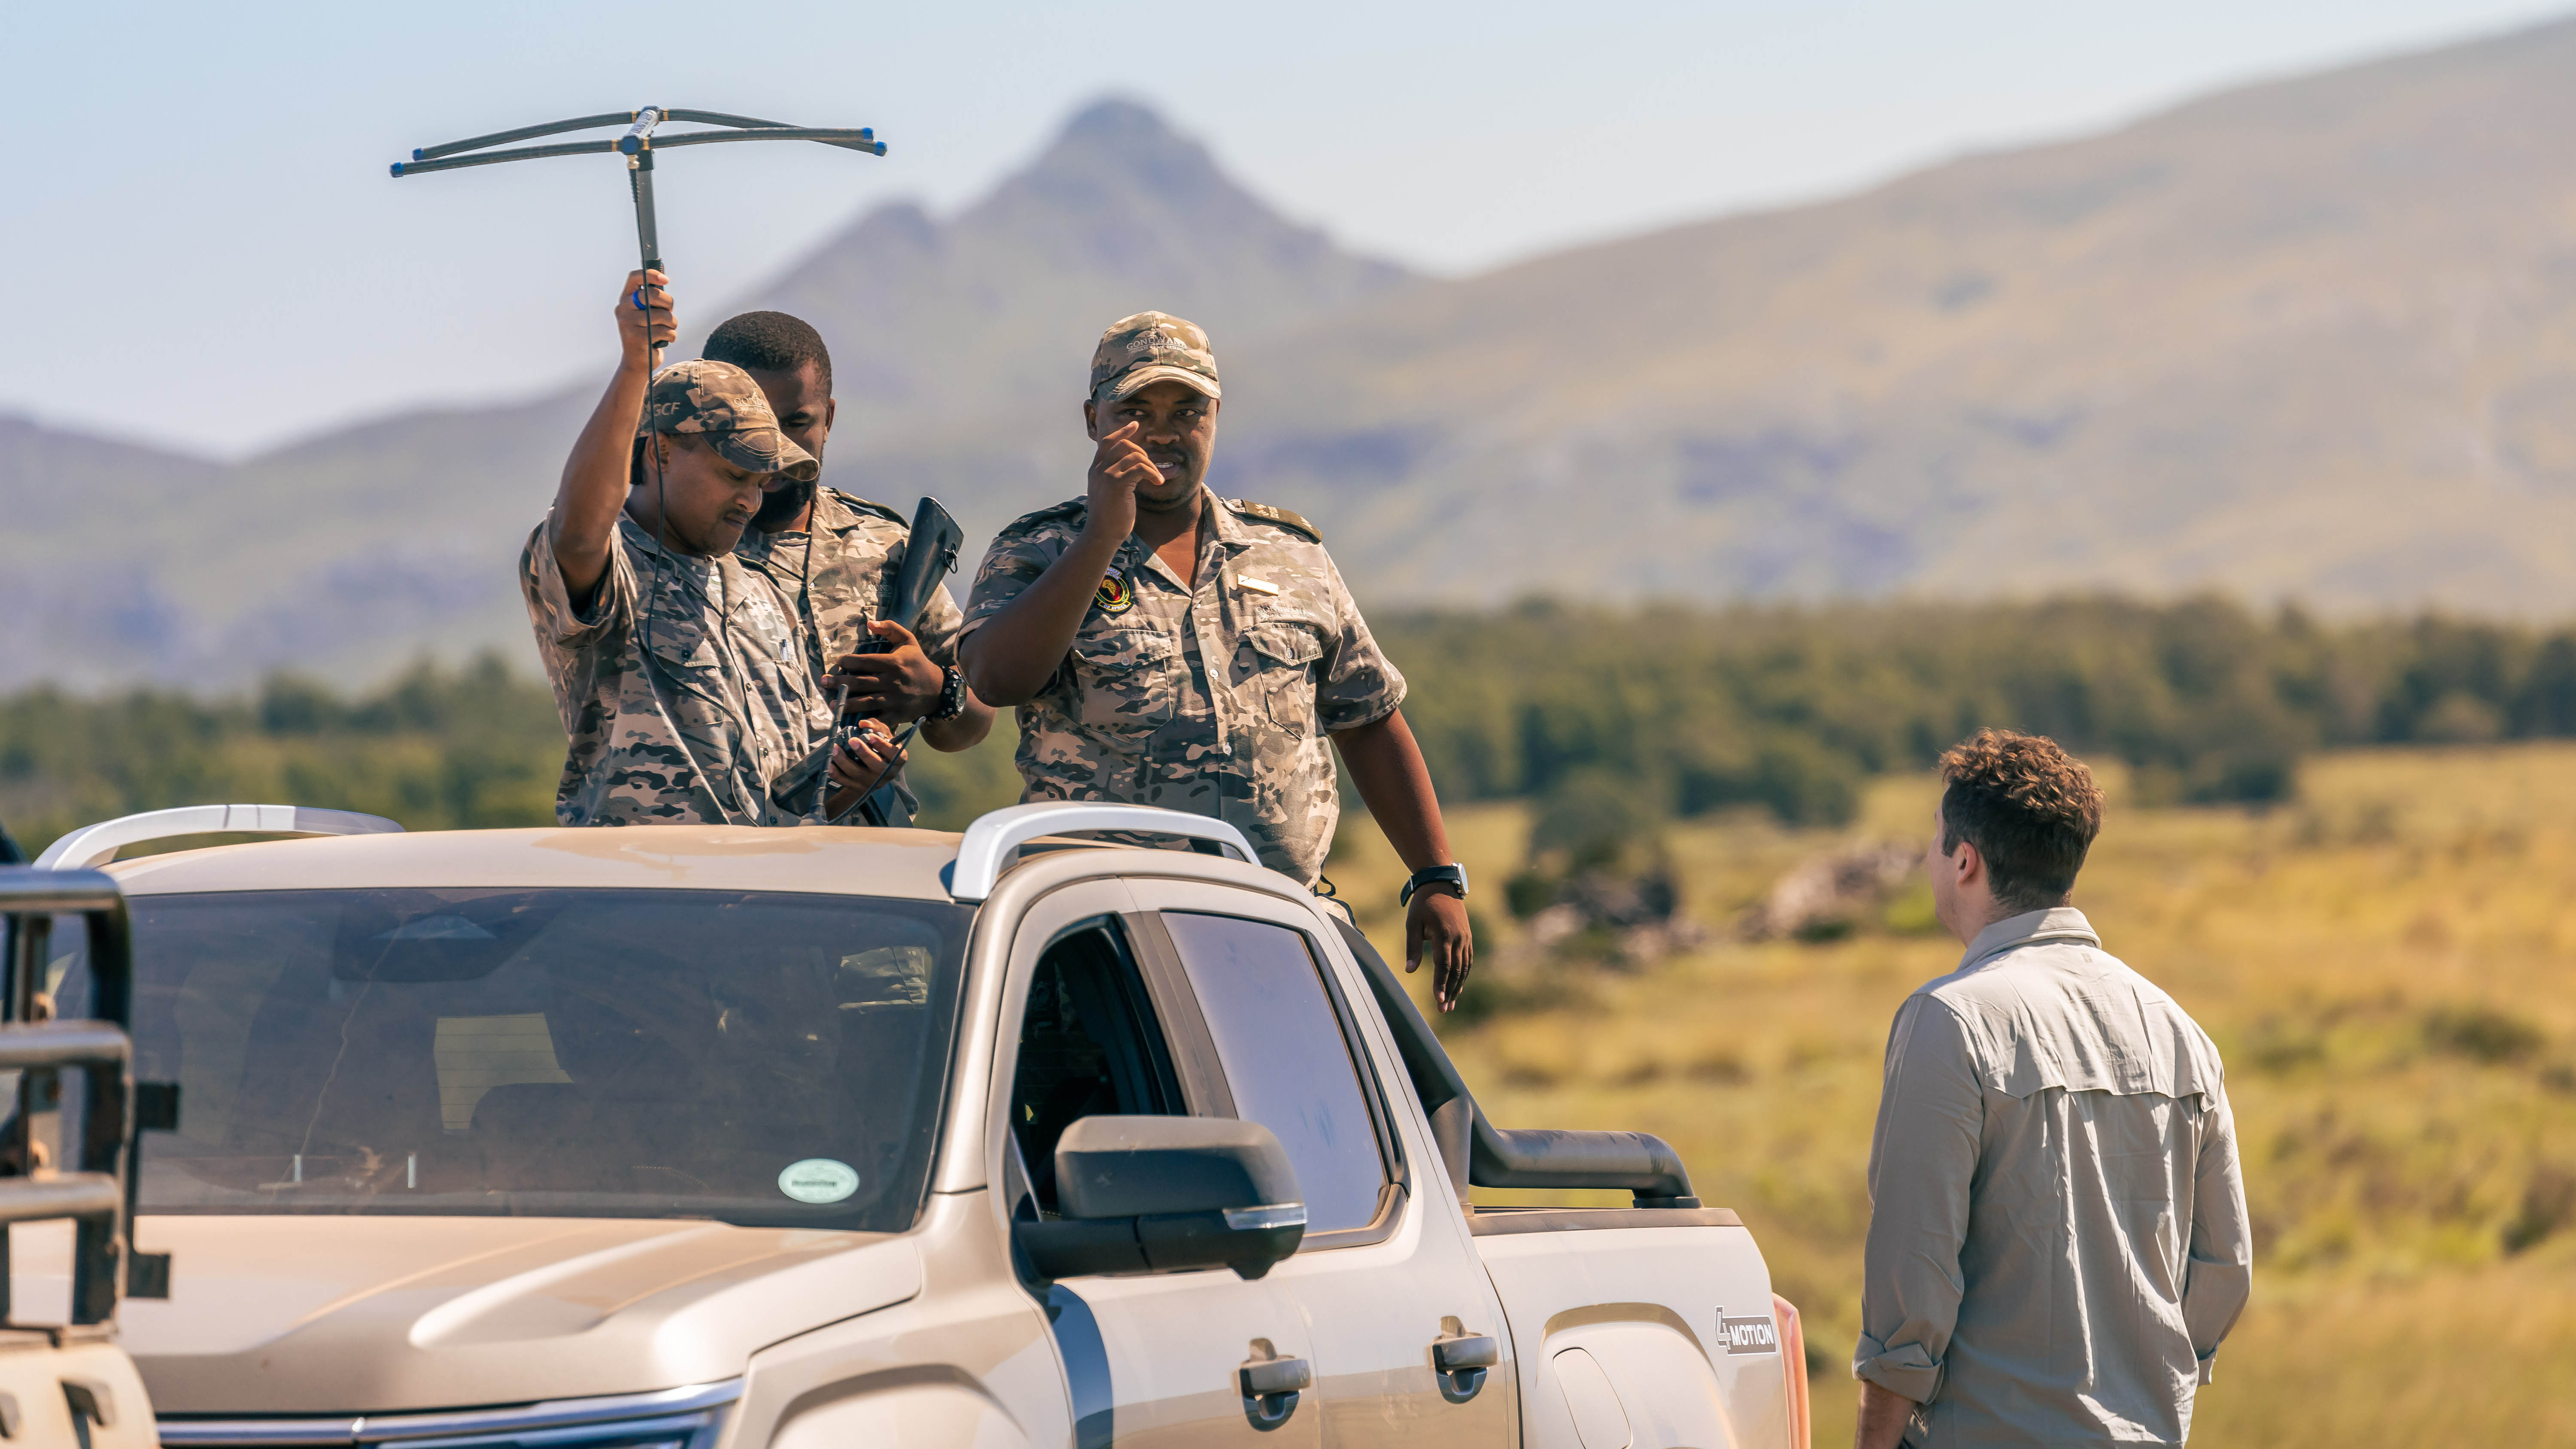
x=1094 y=981
x=1658 y=1315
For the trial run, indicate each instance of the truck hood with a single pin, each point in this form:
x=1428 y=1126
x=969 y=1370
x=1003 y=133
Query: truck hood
x=307 y=1315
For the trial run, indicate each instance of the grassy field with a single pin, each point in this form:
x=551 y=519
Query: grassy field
x=2385 y=963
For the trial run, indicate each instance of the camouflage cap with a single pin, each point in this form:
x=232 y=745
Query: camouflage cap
x=1148 y=348
x=720 y=403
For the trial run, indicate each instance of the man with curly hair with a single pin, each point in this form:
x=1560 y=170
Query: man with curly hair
x=2057 y=1235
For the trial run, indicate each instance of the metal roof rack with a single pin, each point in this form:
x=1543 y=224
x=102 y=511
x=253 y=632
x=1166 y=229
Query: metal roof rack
x=994 y=835
x=95 y=845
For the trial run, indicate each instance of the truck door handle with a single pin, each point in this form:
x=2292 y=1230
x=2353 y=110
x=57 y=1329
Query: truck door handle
x=1462 y=1362
x=1270 y=1388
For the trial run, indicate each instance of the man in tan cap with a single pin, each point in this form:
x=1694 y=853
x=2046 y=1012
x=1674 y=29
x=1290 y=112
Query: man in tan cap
x=1169 y=647
x=685 y=692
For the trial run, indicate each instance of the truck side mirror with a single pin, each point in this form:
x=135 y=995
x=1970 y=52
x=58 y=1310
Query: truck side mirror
x=1164 y=1195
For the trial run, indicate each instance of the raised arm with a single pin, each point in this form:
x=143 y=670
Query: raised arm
x=1010 y=657
x=583 y=525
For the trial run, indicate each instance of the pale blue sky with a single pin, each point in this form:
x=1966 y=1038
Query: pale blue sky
x=202 y=246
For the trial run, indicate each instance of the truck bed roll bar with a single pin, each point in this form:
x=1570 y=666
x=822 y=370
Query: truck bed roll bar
x=92 y=846
x=1480 y=1154
x=995 y=834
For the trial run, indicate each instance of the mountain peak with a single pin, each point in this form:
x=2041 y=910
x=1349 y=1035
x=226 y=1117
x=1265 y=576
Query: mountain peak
x=1116 y=121
x=1120 y=212
x=1115 y=145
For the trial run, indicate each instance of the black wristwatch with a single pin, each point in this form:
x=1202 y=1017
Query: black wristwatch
x=952 y=694
x=1455 y=875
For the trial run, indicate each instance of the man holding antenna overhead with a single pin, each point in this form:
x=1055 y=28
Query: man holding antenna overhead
x=684 y=689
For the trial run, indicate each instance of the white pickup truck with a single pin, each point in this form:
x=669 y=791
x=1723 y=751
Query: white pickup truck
x=721 y=1138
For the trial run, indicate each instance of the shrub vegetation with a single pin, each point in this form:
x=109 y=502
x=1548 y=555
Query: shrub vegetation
x=1689 y=712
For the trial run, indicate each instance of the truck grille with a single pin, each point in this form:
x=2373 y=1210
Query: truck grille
x=682 y=1418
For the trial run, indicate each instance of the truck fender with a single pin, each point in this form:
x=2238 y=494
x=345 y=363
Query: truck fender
x=1607 y=1385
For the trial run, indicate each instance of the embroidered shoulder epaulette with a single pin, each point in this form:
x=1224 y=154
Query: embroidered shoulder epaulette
x=1070 y=508
x=854 y=501
x=1264 y=513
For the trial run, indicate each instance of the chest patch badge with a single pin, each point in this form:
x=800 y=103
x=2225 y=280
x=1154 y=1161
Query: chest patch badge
x=1115 y=596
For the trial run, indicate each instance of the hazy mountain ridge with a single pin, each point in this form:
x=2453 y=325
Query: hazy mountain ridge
x=2300 y=339
x=2313 y=338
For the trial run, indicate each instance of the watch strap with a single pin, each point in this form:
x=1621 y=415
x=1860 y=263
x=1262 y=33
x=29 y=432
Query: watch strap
x=952 y=693
x=1452 y=874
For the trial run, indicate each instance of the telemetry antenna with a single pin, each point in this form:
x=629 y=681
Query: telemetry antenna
x=637 y=146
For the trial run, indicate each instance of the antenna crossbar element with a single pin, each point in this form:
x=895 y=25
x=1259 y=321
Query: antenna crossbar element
x=523 y=153
x=523 y=133
x=861 y=139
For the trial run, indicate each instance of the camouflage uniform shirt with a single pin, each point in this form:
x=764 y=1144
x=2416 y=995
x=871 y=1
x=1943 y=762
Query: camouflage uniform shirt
x=857 y=549
x=1214 y=699
x=729 y=704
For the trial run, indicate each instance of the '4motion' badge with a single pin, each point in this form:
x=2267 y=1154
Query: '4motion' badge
x=1748 y=1335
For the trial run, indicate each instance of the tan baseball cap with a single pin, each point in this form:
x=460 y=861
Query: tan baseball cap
x=1147 y=348
x=720 y=403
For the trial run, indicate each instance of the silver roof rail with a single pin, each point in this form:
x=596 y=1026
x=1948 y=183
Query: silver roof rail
x=994 y=835
x=95 y=845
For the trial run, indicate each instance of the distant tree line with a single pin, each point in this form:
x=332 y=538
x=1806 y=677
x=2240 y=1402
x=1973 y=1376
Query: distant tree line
x=1605 y=718
x=1672 y=711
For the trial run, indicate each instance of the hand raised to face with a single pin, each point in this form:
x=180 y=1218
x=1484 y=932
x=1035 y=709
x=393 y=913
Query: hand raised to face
x=1120 y=466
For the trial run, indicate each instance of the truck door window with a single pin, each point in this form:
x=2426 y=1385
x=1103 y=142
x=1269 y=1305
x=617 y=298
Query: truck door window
x=1287 y=1058
x=1088 y=1048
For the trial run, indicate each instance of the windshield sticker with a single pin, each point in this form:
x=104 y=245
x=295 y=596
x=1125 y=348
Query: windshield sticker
x=819 y=1180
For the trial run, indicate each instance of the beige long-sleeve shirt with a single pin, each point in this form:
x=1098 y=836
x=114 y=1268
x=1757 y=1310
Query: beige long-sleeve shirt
x=2057 y=1235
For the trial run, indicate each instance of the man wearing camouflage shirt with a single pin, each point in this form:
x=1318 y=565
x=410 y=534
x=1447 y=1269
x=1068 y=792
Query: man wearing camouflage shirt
x=685 y=693
x=836 y=556
x=1168 y=647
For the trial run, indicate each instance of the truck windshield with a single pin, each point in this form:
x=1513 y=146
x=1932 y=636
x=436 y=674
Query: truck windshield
x=752 y=1057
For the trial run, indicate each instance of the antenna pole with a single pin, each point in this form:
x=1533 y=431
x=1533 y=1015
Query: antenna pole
x=637 y=143
x=639 y=174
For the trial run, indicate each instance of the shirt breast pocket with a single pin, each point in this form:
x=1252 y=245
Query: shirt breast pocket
x=1284 y=654
x=687 y=683
x=679 y=646
x=1123 y=678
